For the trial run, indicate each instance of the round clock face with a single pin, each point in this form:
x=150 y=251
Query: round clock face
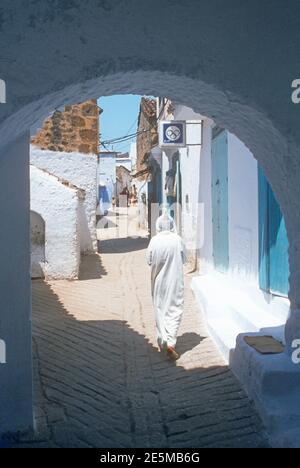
x=173 y=133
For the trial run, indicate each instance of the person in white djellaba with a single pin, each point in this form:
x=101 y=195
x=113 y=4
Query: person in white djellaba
x=165 y=255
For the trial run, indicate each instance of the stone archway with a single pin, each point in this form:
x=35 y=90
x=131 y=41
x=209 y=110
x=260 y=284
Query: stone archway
x=64 y=54
x=268 y=145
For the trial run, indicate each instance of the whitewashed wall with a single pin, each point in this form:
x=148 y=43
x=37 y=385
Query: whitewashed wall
x=242 y=208
x=164 y=168
x=58 y=205
x=142 y=190
x=205 y=226
x=242 y=211
x=190 y=158
x=133 y=155
x=240 y=305
x=37 y=234
x=80 y=170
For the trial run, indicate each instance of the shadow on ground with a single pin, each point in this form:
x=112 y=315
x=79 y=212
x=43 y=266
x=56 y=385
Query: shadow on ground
x=188 y=341
x=102 y=384
x=122 y=245
x=105 y=222
x=91 y=267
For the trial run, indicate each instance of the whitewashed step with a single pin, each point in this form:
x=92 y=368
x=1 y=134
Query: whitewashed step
x=224 y=333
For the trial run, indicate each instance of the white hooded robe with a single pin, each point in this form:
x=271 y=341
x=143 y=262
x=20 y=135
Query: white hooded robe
x=165 y=254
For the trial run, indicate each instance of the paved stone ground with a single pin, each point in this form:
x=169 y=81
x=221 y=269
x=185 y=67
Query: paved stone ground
x=100 y=380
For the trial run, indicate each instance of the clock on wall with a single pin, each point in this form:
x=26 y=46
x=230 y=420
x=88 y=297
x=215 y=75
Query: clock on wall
x=172 y=133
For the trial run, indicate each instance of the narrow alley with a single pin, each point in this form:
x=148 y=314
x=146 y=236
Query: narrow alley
x=100 y=380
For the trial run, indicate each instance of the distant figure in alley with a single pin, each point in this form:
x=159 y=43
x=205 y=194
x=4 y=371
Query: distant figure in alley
x=166 y=256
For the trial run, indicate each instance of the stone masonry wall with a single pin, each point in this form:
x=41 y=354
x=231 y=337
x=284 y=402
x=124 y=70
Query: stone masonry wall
x=148 y=135
x=75 y=129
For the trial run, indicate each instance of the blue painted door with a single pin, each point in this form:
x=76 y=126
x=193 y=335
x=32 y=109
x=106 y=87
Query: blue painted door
x=273 y=245
x=220 y=201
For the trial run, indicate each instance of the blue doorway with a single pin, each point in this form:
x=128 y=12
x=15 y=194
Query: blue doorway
x=219 y=190
x=273 y=242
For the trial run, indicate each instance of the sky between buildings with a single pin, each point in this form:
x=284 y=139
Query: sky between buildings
x=119 y=118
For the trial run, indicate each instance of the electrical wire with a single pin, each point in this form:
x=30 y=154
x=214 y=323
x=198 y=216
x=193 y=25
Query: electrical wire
x=134 y=123
x=132 y=135
x=124 y=137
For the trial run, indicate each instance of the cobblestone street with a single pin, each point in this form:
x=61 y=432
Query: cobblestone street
x=99 y=380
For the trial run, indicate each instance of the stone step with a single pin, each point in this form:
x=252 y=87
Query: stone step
x=273 y=382
x=224 y=333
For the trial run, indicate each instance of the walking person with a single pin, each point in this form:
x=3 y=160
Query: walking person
x=134 y=195
x=165 y=255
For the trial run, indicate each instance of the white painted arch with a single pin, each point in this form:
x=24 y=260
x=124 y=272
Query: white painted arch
x=251 y=126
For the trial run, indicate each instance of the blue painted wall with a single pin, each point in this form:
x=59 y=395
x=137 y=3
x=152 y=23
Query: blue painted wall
x=219 y=189
x=273 y=242
x=106 y=180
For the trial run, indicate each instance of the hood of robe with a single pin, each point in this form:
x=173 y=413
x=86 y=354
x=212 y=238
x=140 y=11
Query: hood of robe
x=165 y=223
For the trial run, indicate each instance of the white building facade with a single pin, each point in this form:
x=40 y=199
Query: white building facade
x=63 y=199
x=212 y=156
x=79 y=170
x=245 y=305
x=56 y=213
x=237 y=246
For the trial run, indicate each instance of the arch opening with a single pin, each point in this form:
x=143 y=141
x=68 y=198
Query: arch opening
x=238 y=119
x=241 y=155
x=250 y=125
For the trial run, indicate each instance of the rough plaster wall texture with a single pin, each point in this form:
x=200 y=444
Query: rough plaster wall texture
x=58 y=206
x=37 y=261
x=80 y=170
x=253 y=103
x=83 y=227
